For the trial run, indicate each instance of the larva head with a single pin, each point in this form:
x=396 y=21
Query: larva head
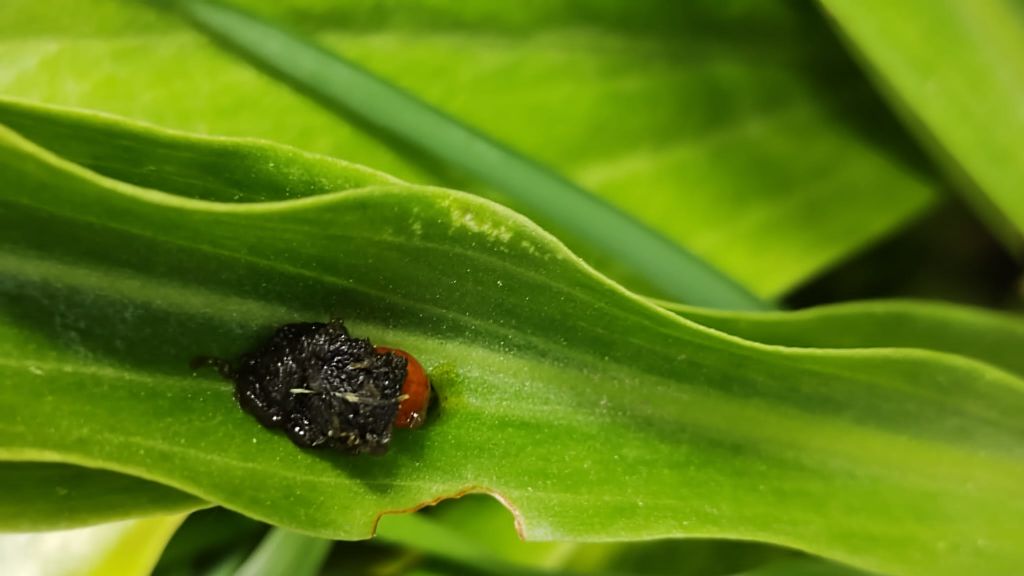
x=415 y=396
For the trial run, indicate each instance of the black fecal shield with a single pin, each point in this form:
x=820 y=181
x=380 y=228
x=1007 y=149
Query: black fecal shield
x=323 y=387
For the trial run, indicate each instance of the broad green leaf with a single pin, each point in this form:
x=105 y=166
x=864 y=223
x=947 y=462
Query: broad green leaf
x=586 y=220
x=591 y=413
x=955 y=70
x=974 y=332
x=83 y=137
x=256 y=172
x=129 y=548
x=687 y=115
x=42 y=496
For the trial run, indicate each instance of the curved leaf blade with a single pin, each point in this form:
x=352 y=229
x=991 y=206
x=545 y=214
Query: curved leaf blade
x=128 y=548
x=973 y=332
x=341 y=85
x=559 y=389
x=665 y=98
x=46 y=496
x=954 y=70
x=202 y=167
x=285 y=552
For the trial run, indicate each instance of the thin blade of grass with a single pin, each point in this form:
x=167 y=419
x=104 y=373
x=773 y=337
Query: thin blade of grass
x=286 y=552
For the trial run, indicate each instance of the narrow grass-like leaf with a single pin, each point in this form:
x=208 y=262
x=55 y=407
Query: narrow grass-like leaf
x=974 y=332
x=343 y=86
x=44 y=496
x=208 y=534
x=588 y=411
x=202 y=167
x=955 y=70
x=286 y=552
x=129 y=548
x=418 y=532
x=228 y=565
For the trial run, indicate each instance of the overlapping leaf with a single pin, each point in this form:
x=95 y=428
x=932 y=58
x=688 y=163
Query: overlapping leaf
x=128 y=548
x=956 y=72
x=45 y=496
x=592 y=413
x=743 y=134
x=980 y=334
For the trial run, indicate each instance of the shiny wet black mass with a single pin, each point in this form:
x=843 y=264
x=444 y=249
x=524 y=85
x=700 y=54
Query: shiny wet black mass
x=324 y=388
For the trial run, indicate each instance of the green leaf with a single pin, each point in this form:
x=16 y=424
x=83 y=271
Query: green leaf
x=955 y=70
x=345 y=87
x=286 y=552
x=227 y=565
x=208 y=534
x=479 y=525
x=804 y=567
x=686 y=115
x=202 y=167
x=590 y=412
x=480 y=529
x=49 y=496
x=423 y=534
x=128 y=548
x=218 y=169
x=974 y=332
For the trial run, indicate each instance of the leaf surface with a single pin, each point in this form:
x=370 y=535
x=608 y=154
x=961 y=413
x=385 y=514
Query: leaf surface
x=129 y=548
x=955 y=70
x=590 y=412
x=285 y=552
x=974 y=332
x=583 y=219
x=46 y=496
x=686 y=115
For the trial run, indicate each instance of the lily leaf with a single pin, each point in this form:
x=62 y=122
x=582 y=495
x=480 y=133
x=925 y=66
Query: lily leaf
x=286 y=552
x=202 y=167
x=128 y=548
x=684 y=115
x=588 y=411
x=955 y=70
x=587 y=221
x=974 y=332
x=47 y=496
x=221 y=169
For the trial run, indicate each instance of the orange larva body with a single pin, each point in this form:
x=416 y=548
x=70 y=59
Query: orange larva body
x=412 y=410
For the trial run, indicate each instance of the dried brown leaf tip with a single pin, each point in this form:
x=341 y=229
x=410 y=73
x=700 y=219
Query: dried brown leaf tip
x=326 y=389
